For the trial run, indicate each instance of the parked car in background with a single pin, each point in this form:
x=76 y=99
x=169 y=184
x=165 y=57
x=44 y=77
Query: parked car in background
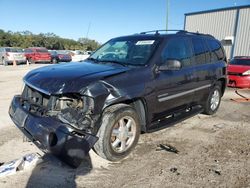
x=59 y=56
x=79 y=55
x=9 y=54
x=37 y=54
x=239 y=72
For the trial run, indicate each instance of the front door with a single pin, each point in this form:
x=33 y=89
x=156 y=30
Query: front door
x=175 y=88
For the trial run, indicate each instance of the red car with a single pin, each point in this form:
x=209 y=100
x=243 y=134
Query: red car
x=239 y=72
x=37 y=54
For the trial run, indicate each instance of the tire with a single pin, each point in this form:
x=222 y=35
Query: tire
x=213 y=101
x=54 y=61
x=30 y=61
x=119 y=132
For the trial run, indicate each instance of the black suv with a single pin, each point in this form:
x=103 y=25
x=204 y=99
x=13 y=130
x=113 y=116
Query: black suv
x=131 y=84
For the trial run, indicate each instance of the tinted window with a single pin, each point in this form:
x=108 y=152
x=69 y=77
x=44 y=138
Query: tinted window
x=216 y=50
x=178 y=49
x=240 y=62
x=199 y=50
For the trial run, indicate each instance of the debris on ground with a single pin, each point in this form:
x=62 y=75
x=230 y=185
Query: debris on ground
x=23 y=163
x=242 y=98
x=174 y=170
x=218 y=172
x=167 y=147
x=219 y=126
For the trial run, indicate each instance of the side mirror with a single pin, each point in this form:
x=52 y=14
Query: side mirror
x=170 y=65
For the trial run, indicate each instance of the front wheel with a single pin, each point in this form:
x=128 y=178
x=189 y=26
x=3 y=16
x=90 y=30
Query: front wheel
x=119 y=132
x=213 y=101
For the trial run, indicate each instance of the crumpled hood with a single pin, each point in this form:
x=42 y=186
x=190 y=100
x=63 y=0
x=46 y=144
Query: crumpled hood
x=69 y=77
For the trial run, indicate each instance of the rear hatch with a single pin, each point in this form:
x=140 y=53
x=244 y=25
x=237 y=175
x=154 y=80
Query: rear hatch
x=15 y=54
x=42 y=54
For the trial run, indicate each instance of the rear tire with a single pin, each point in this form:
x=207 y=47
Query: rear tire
x=213 y=101
x=119 y=132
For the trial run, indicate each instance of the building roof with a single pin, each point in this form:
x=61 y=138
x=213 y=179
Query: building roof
x=217 y=10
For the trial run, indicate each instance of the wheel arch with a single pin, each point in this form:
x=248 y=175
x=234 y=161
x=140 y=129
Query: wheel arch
x=223 y=85
x=140 y=106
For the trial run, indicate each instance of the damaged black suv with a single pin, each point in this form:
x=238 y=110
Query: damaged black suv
x=131 y=84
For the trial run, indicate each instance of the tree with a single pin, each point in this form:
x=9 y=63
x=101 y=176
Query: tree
x=25 y=39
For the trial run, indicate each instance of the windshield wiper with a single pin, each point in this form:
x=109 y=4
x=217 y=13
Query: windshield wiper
x=93 y=59
x=113 y=61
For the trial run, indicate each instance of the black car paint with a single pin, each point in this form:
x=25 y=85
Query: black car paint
x=107 y=84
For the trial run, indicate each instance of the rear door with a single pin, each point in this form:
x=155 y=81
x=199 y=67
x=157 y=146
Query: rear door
x=174 y=89
x=208 y=54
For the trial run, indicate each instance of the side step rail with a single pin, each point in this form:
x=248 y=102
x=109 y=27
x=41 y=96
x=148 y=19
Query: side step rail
x=176 y=118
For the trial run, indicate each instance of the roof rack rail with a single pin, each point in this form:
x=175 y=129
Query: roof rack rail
x=197 y=33
x=157 y=32
x=162 y=30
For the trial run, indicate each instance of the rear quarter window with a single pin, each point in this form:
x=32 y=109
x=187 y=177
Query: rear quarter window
x=217 y=52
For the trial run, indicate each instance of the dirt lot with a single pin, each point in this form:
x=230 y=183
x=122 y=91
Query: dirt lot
x=214 y=151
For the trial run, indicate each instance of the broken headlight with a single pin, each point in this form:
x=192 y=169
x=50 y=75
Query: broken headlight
x=75 y=110
x=69 y=102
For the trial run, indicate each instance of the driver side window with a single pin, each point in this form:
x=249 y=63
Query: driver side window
x=177 y=49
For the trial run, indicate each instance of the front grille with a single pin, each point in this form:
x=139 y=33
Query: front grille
x=35 y=97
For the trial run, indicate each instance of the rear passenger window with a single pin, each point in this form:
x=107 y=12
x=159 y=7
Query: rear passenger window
x=216 y=50
x=177 y=49
x=201 y=52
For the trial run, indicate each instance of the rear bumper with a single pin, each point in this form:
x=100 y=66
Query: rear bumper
x=42 y=60
x=64 y=60
x=17 y=61
x=51 y=135
x=239 y=81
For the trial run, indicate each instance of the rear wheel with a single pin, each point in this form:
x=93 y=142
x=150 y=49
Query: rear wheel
x=119 y=132
x=213 y=101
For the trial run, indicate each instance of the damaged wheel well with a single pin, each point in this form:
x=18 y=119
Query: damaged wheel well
x=141 y=109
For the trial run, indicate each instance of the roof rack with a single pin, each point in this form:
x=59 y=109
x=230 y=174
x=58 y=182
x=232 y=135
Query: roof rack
x=162 y=30
x=157 y=32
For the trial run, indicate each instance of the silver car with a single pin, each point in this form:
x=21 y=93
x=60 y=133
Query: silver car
x=9 y=54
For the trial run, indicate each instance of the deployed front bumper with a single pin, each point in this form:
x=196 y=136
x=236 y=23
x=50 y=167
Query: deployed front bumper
x=49 y=134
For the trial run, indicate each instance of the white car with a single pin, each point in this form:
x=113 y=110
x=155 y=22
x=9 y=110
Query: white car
x=79 y=55
x=9 y=54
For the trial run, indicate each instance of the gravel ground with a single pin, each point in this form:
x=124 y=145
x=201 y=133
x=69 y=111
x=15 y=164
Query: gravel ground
x=214 y=151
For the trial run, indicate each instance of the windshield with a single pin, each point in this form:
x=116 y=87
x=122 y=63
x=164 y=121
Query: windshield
x=125 y=51
x=240 y=62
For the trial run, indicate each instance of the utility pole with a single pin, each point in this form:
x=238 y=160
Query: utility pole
x=167 y=14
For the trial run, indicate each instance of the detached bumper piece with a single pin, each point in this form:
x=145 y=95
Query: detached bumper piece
x=50 y=134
